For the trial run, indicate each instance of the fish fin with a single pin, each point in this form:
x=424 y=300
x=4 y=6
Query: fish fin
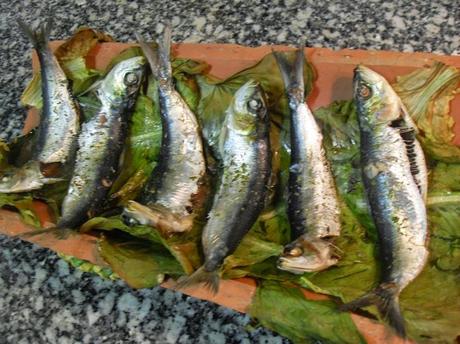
x=385 y=298
x=159 y=60
x=292 y=72
x=53 y=180
x=210 y=279
x=164 y=55
x=40 y=36
x=59 y=233
x=151 y=55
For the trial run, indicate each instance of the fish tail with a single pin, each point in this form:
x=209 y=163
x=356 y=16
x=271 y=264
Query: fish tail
x=39 y=37
x=292 y=72
x=164 y=52
x=159 y=59
x=386 y=299
x=58 y=232
x=210 y=279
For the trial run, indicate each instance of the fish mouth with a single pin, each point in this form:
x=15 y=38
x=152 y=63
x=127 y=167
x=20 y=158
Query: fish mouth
x=305 y=255
x=27 y=178
x=156 y=216
x=302 y=264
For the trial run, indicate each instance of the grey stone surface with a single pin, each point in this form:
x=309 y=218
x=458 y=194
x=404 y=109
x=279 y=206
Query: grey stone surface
x=42 y=300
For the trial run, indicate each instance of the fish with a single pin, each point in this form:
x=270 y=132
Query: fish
x=313 y=205
x=395 y=180
x=100 y=143
x=176 y=190
x=245 y=169
x=59 y=120
x=28 y=177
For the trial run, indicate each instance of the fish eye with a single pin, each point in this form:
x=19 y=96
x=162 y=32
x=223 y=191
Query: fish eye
x=131 y=79
x=255 y=104
x=128 y=220
x=364 y=91
x=295 y=252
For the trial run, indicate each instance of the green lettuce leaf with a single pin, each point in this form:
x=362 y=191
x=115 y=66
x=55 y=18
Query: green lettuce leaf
x=141 y=263
x=265 y=240
x=184 y=247
x=89 y=267
x=444 y=177
x=286 y=310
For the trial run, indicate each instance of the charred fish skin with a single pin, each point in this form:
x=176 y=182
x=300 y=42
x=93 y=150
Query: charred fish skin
x=175 y=187
x=393 y=176
x=101 y=143
x=246 y=167
x=60 y=119
x=313 y=206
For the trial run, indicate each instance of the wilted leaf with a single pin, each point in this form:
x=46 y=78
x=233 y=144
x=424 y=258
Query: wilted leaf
x=81 y=43
x=141 y=263
x=427 y=93
x=183 y=248
x=286 y=310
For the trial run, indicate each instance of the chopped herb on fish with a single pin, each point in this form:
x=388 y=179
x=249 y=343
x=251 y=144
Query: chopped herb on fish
x=244 y=148
x=313 y=206
x=394 y=176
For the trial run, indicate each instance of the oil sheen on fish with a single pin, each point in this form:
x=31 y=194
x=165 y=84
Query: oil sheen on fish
x=313 y=207
x=394 y=175
x=244 y=148
x=59 y=120
x=175 y=191
x=101 y=142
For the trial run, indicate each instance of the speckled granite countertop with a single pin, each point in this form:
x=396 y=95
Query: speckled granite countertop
x=42 y=299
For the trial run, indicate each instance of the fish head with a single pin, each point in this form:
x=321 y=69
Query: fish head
x=375 y=99
x=134 y=214
x=157 y=216
x=27 y=178
x=307 y=256
x=248 y=108
x=124 y=80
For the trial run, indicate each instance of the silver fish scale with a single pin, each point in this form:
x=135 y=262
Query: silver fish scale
x=93 y=147
x=239 y=156
x=185 y=166
x=59 y=115
x=320 y=205
x=397 y=205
